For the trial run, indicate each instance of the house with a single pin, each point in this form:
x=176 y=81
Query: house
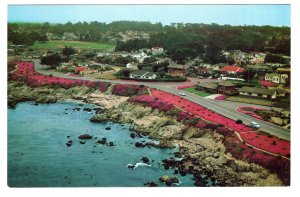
x=142 y=74
x=175 y=69
x=232 y=69
x=227 y=88
x=257 y=92
x=218 y=88
x=208 y=87
x=157 y=50
x=132 y=66
x=79 y=69
x=140 y=56
x=276 y=78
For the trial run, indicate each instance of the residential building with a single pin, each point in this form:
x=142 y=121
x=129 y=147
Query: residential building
x=276 y=78
x=257 y=92
x=141 y=74
x=140 y=56
x=157 y=50
x=232 y=69
x=132 y=66
x=177 y=69
x=218 y=87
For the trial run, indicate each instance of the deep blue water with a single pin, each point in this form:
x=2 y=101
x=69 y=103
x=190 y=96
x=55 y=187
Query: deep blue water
x=38 y=155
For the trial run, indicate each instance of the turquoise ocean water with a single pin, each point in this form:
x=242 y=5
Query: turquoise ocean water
x=38 y=155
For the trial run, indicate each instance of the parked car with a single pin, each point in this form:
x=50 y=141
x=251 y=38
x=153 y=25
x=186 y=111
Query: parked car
x=181 y=93
x=254 y=125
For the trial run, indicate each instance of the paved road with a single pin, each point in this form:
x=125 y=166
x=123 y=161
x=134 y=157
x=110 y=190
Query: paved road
x=227 y=110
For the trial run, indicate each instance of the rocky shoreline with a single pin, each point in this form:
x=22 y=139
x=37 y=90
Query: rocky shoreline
x=202 y=152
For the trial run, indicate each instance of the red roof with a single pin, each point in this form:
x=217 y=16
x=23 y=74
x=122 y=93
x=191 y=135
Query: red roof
x=268 y=84
x=233 y=69
x=80 y=68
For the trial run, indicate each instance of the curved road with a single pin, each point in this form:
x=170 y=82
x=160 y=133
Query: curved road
x=214 y=105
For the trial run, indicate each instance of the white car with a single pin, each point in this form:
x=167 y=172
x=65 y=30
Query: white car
x=254 y=125
x=181 y=93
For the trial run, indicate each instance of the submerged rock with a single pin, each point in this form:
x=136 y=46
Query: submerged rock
x=82 y=142
x=87 y=109
x=69 y=143
x=111 y=144
x=132 y=135
x=108 y=128
x=145 y=159
x=85 y=137
x=151 y=184
x=139 y=145
x=102 y=141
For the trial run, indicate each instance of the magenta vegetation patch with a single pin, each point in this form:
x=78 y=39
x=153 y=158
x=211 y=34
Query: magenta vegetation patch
x=25 y=71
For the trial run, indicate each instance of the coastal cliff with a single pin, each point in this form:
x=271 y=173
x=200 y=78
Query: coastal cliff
x=201 y=150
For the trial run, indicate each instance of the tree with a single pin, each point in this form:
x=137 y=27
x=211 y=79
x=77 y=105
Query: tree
x=51 y=60
x=67 y=51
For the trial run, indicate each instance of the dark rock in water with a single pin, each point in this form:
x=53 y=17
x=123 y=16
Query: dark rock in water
x=104 y=138
x=169 y=180
x=85 y=137
x=68 y=136
x=66 y=109
x=178 y=155
x=110 y=144
x=102 y=141
x=87 y=109
x=139 y=145
x=132 y=135
x=183 y=172
x=69 y=143
x=98 y=110
x=151 y=184
x=80 y=104
x=82 y=142
x=35 y=104
x=175 y=171
x=66 y=113
x=76 y=109
x=130 y=166
x=145 y=159
x=95 y=138
x=107 y=128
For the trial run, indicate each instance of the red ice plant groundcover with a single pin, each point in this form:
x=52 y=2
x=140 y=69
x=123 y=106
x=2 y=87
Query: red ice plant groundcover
x=26 y=71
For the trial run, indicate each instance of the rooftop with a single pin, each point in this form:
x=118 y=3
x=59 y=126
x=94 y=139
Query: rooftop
x=233 y=69
x=178 y=66
x=257 y=90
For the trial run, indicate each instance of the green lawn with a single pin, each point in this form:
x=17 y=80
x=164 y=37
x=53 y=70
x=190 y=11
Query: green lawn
x=249 y=100
x=197 y=92
x=59 y=44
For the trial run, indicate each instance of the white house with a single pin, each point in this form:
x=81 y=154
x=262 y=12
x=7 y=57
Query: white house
x=276 y=78
x=157 y=50
x=140 y=56
x=141 y=74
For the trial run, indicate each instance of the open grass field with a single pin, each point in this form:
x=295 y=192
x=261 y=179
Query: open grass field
x=59 y=44
x=197 y=92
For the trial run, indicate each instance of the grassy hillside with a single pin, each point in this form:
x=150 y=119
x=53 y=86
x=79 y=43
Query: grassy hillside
x=59 y=44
